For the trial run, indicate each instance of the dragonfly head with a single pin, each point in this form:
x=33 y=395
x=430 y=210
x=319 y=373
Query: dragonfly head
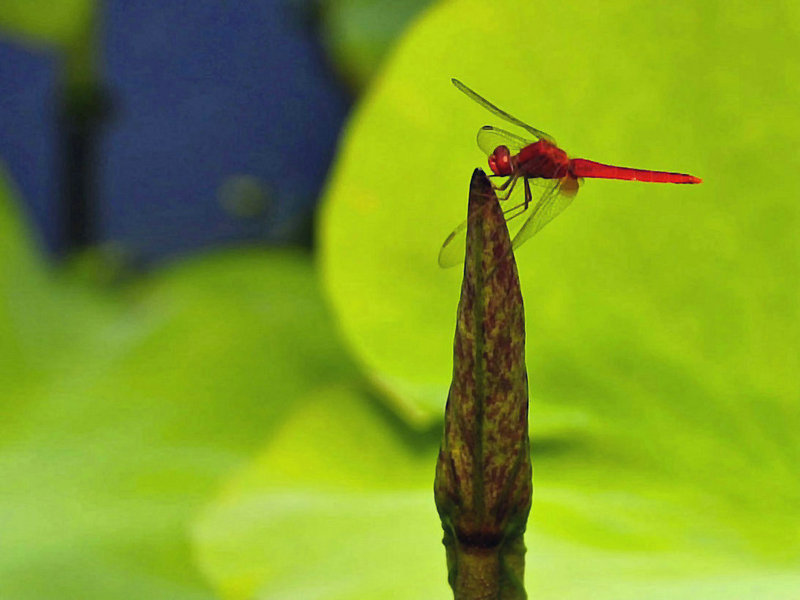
x=500 y=161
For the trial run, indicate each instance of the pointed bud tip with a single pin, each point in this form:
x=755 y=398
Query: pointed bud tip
x=480 y=190
x=478 y=178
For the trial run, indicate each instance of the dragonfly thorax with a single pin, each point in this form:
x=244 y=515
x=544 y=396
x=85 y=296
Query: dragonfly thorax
x=500 y=161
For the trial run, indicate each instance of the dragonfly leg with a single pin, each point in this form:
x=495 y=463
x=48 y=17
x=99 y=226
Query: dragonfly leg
x=500 y=188
x=507 y=187
x=512 y=181
x=528 y=195
x=519 y=208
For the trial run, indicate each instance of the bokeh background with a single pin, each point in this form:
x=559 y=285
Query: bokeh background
x=225 y=343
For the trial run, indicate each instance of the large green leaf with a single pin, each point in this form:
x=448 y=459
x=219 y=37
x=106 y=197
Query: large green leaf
x=123 y=408
x=701 y=278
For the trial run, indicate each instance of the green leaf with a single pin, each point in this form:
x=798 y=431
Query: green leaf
x=338 y=505
x=122 y=409
x=57 y=22
x=359 y=33
x=703 y=277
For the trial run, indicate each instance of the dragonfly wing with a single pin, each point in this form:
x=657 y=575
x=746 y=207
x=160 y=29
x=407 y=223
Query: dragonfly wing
x=551 y=204
x=490 y=138
x=455 y=246
x=501 y=113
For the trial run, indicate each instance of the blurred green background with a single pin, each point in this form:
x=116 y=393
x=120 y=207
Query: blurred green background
x=263 y=423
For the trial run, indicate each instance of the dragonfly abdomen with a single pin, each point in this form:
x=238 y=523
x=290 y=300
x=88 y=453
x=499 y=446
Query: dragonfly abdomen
x=580 y=167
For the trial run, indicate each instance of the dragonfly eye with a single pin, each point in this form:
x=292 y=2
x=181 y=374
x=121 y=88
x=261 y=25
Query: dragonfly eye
x=500 y=161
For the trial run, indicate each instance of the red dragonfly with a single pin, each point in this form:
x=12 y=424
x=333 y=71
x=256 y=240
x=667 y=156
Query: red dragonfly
x=541 y=163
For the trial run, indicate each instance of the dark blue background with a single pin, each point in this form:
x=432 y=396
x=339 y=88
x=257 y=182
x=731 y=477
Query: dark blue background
x=28 y=134
x=203 y=94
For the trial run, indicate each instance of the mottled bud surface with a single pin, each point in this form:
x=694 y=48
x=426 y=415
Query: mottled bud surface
x=483 y=474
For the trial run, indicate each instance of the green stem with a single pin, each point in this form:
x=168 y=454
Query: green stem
x=478 y=574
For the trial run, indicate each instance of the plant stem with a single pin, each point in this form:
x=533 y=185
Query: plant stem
x=83 y=105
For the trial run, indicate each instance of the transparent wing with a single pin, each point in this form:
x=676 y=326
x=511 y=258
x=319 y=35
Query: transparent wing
x=490 y=138
x=501 y=113
x=454 y=247
x=551 y=204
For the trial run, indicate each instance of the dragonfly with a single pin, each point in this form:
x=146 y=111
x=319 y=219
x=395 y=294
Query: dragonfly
x=541 y=164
